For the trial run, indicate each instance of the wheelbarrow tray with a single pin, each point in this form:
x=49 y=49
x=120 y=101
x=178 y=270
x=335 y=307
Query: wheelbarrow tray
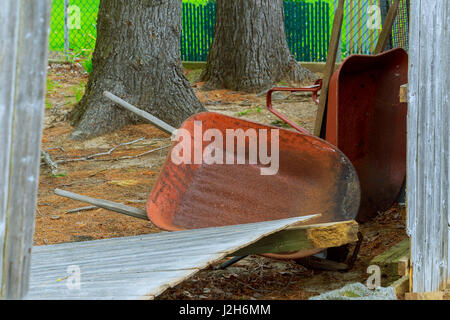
x=313 y=177
x=367 y=122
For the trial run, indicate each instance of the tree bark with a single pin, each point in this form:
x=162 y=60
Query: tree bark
x=137 y=57
x=250 y=51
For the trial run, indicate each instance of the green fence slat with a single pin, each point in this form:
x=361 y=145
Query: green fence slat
x=191 y=34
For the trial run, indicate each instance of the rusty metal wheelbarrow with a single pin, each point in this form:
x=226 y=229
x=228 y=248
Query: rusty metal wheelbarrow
x=313 y=176
x=367 y=122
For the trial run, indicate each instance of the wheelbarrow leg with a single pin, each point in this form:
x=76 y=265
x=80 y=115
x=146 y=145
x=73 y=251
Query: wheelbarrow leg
x=231 y=262
x=330 y=265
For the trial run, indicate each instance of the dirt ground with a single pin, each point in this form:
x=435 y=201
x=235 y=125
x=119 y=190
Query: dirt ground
x=123 y=166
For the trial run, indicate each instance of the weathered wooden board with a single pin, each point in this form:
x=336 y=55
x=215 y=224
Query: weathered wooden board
x=138 y=267
x=428 y=192
x=387 y=27
x=23 y=64
x=330 y=66
x=319 y=236
x=438 y=295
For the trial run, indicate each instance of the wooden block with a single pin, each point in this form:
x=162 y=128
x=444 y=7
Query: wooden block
x=319 y=236
x=387 y=27
x=401 y=286
x=395 y=261
x=403 y=266
x=404 y=93
x=330 y=65
x=424 y=295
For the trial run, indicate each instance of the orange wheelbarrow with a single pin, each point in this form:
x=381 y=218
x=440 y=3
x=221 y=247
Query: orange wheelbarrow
x=312 y=176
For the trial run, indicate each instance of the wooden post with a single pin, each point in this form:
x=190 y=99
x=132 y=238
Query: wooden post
x=386 y=32
x=428 y=191
x=339 y=51
x=384 y=6
x=330 y=66
x=23 y=65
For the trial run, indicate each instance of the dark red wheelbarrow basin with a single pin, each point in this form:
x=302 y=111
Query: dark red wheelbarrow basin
x=367 y=122
x=313 y=177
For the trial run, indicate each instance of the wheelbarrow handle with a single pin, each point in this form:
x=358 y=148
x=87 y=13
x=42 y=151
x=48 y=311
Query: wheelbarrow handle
x=154 y=120
x=314 y=89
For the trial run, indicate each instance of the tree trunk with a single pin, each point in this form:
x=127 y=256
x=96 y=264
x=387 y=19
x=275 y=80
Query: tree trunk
x=136 y=57
x=250 y=51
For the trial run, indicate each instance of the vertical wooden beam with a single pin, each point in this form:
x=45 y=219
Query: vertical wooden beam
x=384 y=7
x=23 y=64
x=339 y=52
x=360 y=29
x=330 y=65
x=428 y=144
x=351 y=32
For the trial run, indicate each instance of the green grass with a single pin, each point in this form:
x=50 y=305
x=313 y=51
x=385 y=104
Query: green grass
x=59 y=175
x=78 y=92
x=50 y=86
x=248 y=111
x=280 y=123
x=243 y=113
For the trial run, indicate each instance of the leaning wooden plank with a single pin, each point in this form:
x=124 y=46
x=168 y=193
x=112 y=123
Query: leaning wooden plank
x=319 y=236
x=304 y=237
x=105 y=204
x=138 y=267
x=23 y=64
x=330 y=65
x=387 y=27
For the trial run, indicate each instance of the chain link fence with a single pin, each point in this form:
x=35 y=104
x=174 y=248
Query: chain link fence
x=73 y=25
x=308 y=27
x=361 y=27
x=400 y=31
x=363 y=22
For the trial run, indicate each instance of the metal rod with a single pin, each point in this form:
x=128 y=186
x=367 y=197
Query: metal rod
x=231 y=262
x=154 y=120
x=66 y=29
x=105 y=204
